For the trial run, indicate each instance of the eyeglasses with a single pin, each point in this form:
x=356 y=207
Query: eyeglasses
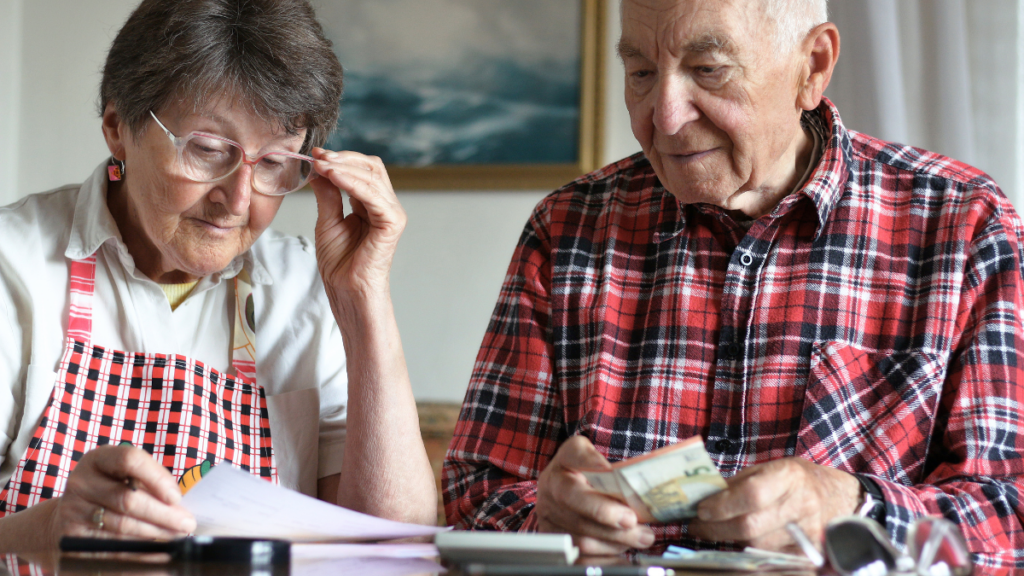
x=208 y=158
x=858 y=546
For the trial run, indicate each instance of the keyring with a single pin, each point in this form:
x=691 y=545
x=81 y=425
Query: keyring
x=97 y=517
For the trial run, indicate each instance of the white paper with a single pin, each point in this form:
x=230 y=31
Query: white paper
x=311 y=552
x=231 y=502
x=365 y=567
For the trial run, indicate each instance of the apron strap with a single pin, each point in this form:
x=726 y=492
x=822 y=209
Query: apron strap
x=243 y=349
x=83 y=283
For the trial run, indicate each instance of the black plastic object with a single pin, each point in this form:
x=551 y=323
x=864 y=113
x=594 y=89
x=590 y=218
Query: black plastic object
x=196 y=549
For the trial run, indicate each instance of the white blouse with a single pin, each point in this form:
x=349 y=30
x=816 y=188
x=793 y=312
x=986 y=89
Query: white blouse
x=300 y=358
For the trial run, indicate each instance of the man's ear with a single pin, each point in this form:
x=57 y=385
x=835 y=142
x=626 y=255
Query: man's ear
x=821 y=51
x=114 y=131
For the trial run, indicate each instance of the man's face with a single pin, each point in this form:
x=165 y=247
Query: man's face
x=711 y=102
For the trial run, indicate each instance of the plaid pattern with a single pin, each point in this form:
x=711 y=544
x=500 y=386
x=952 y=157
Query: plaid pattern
x=871 y=323
x=175 y=408
x=17 y=567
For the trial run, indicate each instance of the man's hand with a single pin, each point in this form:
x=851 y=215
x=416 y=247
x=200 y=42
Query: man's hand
x=762 y=499
x=566 y=503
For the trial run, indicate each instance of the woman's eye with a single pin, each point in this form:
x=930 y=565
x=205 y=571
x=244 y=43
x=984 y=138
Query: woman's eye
x=207 y=148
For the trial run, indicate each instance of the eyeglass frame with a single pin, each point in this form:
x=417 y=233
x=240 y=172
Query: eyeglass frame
x=180 y=142
x=903 y=563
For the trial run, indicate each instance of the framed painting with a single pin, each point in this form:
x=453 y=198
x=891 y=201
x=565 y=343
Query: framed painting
x=471 y=94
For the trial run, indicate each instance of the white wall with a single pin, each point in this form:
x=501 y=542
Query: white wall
x=452 y=257
x=10 y=93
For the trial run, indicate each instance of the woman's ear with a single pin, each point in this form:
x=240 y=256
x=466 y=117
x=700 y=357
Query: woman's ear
x=114 y=131
x=821 y=51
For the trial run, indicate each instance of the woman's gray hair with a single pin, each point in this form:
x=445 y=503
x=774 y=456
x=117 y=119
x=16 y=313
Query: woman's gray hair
x=794 y=19
x=269 y=55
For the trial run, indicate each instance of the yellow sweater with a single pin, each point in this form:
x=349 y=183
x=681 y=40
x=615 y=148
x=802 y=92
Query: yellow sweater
x=176 y=293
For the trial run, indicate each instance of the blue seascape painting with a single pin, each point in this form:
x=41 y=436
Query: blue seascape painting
x=458 y=82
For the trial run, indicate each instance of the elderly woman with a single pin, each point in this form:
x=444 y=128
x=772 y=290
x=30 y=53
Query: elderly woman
x=151 y=326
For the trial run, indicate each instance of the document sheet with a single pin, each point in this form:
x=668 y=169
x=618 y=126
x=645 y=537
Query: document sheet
x=231 y=502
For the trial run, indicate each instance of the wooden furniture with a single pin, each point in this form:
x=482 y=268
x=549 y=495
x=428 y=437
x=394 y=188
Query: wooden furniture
x=437 y=423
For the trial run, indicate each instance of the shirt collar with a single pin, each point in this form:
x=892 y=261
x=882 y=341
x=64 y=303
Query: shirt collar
x=823 y=188
x=93 y=225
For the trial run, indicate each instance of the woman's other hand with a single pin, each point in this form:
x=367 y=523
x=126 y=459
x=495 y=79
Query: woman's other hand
x=354 y=252
x=385 y=471
x=126 y=490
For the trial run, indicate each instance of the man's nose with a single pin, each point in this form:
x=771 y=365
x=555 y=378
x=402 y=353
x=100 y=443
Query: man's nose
x=673 y=105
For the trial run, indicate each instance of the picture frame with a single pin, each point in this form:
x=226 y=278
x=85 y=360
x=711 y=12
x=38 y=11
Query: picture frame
x=571 y=138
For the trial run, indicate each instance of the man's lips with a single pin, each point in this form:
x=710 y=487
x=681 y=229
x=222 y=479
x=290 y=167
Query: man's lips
x=688 y=156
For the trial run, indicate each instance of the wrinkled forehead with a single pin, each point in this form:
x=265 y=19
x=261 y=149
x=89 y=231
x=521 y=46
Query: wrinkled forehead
x=729 y=26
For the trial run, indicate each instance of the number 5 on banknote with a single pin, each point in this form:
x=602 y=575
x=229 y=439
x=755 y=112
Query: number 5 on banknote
x=664 y=485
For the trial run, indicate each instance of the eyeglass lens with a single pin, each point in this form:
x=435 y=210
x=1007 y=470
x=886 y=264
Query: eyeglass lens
x=936 y=545
x=207 y=159
x=855 y=551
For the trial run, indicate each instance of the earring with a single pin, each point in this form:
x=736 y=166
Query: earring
x=115 y=171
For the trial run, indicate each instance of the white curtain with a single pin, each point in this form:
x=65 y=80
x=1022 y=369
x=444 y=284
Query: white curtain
x=944 y=75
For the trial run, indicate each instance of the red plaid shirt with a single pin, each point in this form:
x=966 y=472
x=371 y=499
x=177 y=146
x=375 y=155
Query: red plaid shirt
x=871 y=323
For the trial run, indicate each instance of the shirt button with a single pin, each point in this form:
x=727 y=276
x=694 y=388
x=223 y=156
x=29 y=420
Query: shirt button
x=723 y=445
x=732 y=351
x=746 y=259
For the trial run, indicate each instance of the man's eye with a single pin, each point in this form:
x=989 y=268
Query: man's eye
x=707 y=70
x=641 y=75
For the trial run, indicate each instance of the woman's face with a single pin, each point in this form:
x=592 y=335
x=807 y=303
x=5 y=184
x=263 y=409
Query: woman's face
x=178 y=230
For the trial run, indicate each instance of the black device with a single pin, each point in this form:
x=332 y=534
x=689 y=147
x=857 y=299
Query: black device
x=191 y=550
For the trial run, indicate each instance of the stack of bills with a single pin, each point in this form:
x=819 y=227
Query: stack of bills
x=664 y=485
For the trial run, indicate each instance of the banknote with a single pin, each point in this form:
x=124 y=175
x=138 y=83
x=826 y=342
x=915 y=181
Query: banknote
x=664 y=485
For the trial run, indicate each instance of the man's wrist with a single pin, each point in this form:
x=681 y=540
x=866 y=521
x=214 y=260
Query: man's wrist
x=872 y=501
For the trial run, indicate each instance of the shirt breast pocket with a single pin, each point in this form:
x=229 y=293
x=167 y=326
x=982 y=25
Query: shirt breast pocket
x=870 y=412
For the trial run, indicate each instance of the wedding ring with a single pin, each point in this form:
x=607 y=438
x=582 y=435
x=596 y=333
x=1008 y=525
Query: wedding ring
x=97 y=517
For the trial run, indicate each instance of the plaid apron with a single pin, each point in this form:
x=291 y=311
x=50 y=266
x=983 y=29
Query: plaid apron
x=187 y=415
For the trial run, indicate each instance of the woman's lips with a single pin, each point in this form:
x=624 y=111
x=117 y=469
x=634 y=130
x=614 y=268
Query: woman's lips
x=218 y=227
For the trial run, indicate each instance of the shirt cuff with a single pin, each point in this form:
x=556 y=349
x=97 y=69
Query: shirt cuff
x=902 y=507
x=530 y=524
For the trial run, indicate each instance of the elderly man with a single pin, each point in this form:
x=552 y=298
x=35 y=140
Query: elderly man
x=835 y=315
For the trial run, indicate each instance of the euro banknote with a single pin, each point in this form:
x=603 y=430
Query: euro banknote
x=664 y=485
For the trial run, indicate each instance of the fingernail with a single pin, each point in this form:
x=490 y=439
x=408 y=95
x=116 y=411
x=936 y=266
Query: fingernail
x=627 y=520
x=188 y=526
x=646 y=537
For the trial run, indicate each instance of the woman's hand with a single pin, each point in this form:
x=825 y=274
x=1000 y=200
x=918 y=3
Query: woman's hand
x=127 y=491
x=354 y=252
x=385 y=471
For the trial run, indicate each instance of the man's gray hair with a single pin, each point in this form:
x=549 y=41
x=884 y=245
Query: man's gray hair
x=794 y=19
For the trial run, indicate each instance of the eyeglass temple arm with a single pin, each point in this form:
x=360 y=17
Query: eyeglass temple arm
x=805 y=544
x=174 y=139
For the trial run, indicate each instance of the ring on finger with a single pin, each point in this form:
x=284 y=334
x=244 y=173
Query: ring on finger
x=97 y=517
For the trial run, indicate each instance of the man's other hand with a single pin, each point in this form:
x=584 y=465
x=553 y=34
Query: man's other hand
x=566 y=503
x=762 y=499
